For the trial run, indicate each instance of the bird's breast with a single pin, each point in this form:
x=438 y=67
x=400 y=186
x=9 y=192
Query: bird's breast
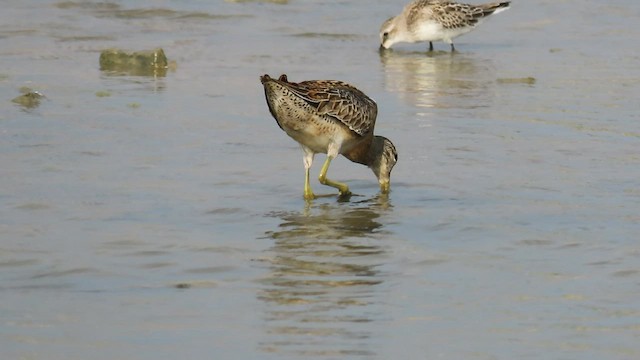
x=428 y=30
x=317 y=132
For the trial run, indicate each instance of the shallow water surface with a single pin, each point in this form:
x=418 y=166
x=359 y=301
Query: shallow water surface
x=146 y=217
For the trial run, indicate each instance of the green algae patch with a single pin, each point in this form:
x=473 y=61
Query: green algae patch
x=331 y=36
x=140 y=63
x=523 y=80
x=29 y=98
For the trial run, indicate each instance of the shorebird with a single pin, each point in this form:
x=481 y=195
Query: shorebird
x=435 y=20
x=332 y=117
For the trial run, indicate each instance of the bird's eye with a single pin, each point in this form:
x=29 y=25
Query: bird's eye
x=385 y=35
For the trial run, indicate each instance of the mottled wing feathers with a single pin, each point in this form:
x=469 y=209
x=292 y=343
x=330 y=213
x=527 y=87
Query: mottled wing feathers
x=452 y=15
x=340 y=101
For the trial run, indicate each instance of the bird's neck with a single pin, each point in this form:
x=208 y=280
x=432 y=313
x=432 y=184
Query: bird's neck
x=361 y=153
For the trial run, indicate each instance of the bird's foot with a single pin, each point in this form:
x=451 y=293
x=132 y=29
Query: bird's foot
x=345 y=196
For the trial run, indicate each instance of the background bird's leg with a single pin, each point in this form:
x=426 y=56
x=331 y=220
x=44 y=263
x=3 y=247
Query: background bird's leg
x=430 y=46
x=308 y=160
x=343 y=188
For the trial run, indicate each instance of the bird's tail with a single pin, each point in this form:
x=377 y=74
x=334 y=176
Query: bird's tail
x=265 y=78
x=495 y=7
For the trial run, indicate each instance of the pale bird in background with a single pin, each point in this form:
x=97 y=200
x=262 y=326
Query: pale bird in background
x=435 y=20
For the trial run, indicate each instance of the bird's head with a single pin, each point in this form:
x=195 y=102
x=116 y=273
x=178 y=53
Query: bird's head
x=384 y=159
x=388 y=32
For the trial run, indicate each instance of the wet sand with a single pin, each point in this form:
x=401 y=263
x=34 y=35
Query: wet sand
x=148 y=217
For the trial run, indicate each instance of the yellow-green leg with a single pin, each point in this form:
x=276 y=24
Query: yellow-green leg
x=343 y=188
x=308 y=160
x=308 y=194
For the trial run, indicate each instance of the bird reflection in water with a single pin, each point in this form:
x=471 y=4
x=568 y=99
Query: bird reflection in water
x=439 y=80
x=321 y=293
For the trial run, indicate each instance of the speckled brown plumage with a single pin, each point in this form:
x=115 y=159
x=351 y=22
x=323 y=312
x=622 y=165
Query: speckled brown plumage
x=332 y=117
x=454 y=15
x=338 y=100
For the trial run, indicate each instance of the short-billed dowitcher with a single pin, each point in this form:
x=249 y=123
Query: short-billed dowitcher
x=435 y=20
x=332 y=117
